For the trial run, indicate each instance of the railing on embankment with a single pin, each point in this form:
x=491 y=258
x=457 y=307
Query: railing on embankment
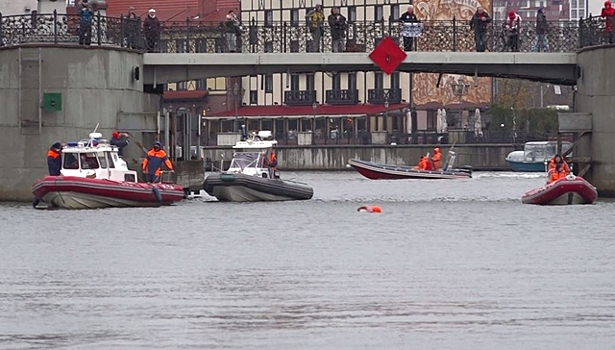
x=480 y=156
x=193 y=36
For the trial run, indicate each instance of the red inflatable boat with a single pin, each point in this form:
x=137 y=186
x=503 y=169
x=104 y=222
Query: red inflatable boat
x=71 y=192
x=568 y=190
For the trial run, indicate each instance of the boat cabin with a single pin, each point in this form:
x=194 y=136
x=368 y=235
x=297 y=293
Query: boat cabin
x=95 y=158
x=541 y=151
x=251 y=156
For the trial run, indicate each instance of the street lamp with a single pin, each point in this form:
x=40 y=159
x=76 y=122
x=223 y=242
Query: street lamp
x=235 y=94
x=386 y=110
x=314 y=107
x=460 y=89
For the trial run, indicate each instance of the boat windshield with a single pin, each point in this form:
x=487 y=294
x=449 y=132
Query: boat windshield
x=89 y=161
x=245 y=160
x=540 y=152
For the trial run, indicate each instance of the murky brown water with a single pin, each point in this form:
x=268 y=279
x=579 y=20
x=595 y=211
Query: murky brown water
x=447 y=265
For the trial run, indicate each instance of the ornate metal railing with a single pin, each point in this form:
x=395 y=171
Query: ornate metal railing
x=380 y=96
x=342 y=97
x=299 y=97
x=281 y=37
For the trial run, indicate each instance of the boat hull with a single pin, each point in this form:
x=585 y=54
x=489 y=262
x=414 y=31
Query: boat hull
x=68 y=192
x=527 y=167
x=375 y=171
x=248 y=188
x=566 y=191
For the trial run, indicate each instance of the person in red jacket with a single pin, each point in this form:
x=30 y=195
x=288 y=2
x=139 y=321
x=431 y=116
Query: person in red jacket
x=152 y=164
x=607 y=13
x=558 y=168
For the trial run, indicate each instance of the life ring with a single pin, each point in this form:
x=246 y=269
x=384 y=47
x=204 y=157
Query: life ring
x=370 y=209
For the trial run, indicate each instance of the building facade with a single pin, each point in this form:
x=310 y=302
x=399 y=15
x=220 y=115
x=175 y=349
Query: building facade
x=353 y=96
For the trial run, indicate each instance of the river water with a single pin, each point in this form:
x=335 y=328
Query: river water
x=447 y=265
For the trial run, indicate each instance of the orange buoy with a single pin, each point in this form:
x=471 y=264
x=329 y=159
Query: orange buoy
x=370 y=209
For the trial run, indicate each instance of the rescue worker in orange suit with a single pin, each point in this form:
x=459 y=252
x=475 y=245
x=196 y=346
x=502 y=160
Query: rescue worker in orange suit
x=152 y=164
x=422 y=163
x=437 y=159
x=54 y=160
x=272 y=164
x=558 y=168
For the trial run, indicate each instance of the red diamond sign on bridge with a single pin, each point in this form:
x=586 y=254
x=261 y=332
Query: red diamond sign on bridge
x=387 y=55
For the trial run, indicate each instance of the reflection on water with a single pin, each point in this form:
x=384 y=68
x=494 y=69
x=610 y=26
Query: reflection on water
x=448 y=264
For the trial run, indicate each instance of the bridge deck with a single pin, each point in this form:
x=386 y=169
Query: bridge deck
x=557 y=68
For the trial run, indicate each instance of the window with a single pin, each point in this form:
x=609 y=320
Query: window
x=432 y=117
x=201 y=84
x=395 y=12
x=253 y=97
x=111 y=159
x=268 y=83
x=378 y=13
x=294 y=82
x=294 y=17
x=394 y=80
x=573 y=14
x=70 y=161
x=294 y=46
x=268 y=18
x=336 y=81
x=352 y=14
x=103 y=161
x=309 y=82
x=88 y=161
x=352 y=81
x=378 y=80
x=182 y=85
x=268 y=46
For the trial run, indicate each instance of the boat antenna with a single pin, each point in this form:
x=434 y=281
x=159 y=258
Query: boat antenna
x=96 y=128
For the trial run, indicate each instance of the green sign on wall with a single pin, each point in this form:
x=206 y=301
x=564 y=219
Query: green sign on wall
x=52 y=102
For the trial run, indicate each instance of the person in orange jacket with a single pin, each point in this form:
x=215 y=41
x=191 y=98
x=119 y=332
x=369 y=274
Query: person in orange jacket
x=272 y=164
x=422 y=163
x=152 y=164
x=54 y=161
x=437 y=159
x=558 y=168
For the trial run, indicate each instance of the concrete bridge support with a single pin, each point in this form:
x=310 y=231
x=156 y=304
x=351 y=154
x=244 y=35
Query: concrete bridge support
x=596 y=96
x=60 y=93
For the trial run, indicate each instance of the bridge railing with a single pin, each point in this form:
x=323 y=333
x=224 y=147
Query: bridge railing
x=194 y=36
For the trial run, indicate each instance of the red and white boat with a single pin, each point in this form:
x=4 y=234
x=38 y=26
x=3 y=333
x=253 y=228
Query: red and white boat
x=568 y=190
x=375 y=171
x=94 y=176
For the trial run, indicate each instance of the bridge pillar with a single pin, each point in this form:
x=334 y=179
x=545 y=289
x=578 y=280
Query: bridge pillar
x=52 y=93
x=596 y=96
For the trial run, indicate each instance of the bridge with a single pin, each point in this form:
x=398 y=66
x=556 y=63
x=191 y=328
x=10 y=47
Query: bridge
x=189 y=49
x=555 y=68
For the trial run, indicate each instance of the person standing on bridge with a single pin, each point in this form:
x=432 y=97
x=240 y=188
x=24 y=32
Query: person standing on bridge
x=337 y=22
x=315 y=20
x=151 y=29
x=479 y=23
x=542 y=44
x=85 y=24
x=132 y=29
x=513 y=30
x=607 y=13
x=410 y=29
x=232 y=27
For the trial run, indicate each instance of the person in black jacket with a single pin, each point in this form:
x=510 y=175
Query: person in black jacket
x=337 y=22
x=408 y=19
x=479 y=23
x=542 y=44
x=151 y=29
x=54 y=160
x=120 y=140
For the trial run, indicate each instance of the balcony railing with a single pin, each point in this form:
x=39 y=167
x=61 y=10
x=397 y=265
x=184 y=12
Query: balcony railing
x=299 y=97
x=194 y=36
x=380 y=96
x=342 y=97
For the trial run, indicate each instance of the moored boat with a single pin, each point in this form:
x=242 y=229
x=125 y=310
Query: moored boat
x=534 y=156
x=564 y=191
x=249 y=179
x=376 y=171
x=93 y=176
